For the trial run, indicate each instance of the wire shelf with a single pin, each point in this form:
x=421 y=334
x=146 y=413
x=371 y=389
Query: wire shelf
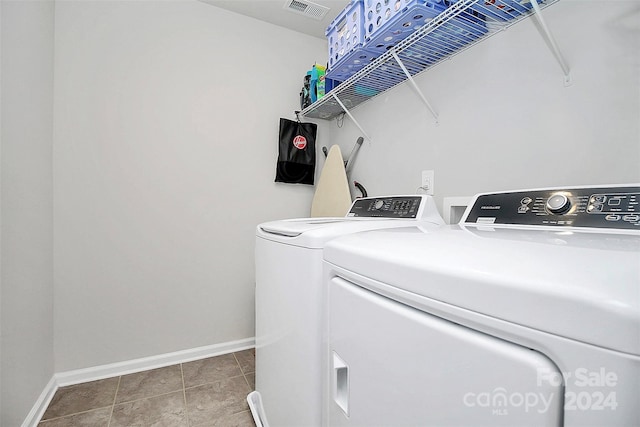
x=458 y=28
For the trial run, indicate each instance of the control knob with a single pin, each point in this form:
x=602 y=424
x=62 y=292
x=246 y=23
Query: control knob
x=558 y=204
x=378 y=204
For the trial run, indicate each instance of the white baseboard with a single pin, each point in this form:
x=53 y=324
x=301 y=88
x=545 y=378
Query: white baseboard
x=62 y=379
x=37 y=411
x=136 y=365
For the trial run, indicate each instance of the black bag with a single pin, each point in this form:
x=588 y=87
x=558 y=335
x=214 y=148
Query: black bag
x=297 y=152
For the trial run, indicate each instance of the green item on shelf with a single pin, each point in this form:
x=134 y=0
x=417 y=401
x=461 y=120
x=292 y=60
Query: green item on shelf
x=321 y=80
x=317 y=82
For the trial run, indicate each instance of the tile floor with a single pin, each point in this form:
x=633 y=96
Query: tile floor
x=202 y=393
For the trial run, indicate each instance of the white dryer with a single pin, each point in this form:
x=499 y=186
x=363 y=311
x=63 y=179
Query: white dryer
x=525 y=314
x=288 y=262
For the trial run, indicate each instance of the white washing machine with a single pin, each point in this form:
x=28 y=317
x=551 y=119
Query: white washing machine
x=527 y=313
x=289 y=303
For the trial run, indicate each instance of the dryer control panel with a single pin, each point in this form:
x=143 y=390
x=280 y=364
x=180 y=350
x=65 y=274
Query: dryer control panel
x=387 y=207
x=616 y=207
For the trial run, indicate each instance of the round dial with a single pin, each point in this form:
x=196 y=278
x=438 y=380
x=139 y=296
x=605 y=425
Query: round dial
x=558 y=203
x=378 y=204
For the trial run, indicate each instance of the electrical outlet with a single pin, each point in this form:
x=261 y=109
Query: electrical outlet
x=427 y=182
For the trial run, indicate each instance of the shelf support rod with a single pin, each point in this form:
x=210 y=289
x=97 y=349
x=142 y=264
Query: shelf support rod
x=415 y=86
x=351 y=116
x=552 y=42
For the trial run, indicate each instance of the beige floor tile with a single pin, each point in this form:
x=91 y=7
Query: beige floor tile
x=210 y=370
x=247 y=360
x=240 y=419
x=167 y=410
x=149 y=383
x=215 y=396
x=82 y=397
x=96 y=418
x=217 y=400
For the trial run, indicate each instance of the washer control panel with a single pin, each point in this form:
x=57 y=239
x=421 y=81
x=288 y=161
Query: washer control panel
x=592 y=207
x=386 y=207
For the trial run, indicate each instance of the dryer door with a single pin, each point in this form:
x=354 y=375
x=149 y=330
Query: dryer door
x=392 y=365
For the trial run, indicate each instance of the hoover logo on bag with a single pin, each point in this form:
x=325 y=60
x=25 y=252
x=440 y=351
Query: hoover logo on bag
x=300 y=142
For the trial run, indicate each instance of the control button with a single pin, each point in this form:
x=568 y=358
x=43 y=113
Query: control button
x=631 y=218
x=600 y=198
x=524 y=205
x=612 y=217
x=558 y=204
x=595 y=208
x=378 y=204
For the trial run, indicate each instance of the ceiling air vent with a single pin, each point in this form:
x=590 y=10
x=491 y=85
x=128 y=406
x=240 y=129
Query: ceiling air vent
x=306 y=8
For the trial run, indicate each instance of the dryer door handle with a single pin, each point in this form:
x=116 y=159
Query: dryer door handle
x=340 y=383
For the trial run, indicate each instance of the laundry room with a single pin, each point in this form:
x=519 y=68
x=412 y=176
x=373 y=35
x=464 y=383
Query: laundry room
x=139 y=151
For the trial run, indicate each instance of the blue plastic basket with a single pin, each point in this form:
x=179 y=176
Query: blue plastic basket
x=330 y=84
x=380 y=15
x=389 y=21
x=345 y=34
x=459 y=31
x=446 y=39
x=350 y=64
x=501 y=10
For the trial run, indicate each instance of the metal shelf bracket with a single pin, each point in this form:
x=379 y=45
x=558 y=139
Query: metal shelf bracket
x=552 y=43
x=346 y=110
x=415 y=86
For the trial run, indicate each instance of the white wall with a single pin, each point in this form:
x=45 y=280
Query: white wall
x=165 y=150
x=26 y=357
x=506 y=119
